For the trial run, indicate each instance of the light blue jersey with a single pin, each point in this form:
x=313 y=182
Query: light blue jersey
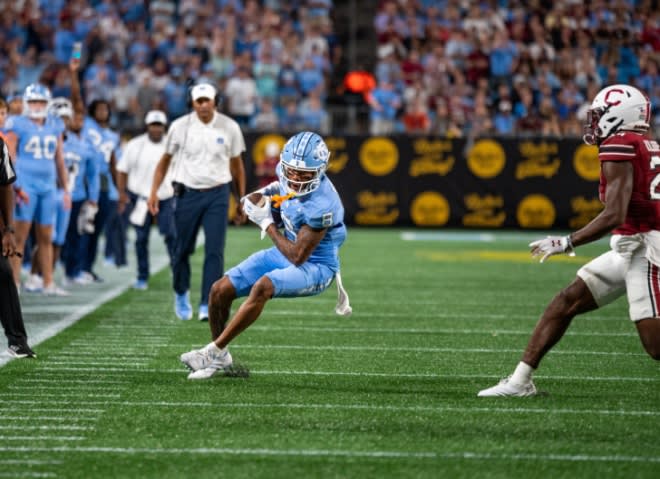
x=82 y=161
x=322 y=208
x=107 y=142
x=35 y=151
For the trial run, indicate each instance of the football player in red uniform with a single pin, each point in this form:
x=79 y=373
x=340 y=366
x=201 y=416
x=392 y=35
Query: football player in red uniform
x=618 y=122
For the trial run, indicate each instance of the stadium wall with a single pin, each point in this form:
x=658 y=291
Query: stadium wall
x=531 y=183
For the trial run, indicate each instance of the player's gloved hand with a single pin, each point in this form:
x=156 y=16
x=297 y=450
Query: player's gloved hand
x=259 y=214
x=551 y=245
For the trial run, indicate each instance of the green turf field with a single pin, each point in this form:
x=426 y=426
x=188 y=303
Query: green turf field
x=388 y=392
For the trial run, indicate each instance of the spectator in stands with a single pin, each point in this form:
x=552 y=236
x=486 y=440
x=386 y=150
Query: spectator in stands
x=416 y=118
x=504 y=121
x=241 y=92
x=384 y=102
x=313 y=116
x=266 y=119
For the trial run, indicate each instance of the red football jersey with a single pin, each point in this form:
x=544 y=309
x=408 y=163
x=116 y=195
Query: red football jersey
x=644 y=154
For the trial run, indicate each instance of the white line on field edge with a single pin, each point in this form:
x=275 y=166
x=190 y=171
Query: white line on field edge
x=339 y=453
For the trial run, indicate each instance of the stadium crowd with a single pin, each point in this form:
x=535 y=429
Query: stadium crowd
x=508 y=67
x=271 y=59
x=442 y=66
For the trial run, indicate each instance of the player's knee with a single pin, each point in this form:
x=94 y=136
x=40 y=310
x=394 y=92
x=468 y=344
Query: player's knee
x=222 y=291
x=263 y=289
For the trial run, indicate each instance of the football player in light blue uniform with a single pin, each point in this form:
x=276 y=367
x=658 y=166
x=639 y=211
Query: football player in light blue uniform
x=303 y=262
x=37 y=144
x=82 y=160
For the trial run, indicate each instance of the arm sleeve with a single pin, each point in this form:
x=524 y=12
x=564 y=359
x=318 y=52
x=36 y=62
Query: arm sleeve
x=237 y=141
x=93 y=178
x=7 y=174
x=173 y=142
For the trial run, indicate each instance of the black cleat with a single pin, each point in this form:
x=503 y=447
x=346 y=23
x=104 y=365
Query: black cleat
x=21 y=351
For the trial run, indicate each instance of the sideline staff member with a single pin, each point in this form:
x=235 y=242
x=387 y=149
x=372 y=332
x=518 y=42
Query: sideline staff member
x=10 y=307
x=135 y=172
x=206 y=147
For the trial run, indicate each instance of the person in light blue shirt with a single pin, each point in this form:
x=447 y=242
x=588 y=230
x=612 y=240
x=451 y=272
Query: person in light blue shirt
x=82 y=161
x=97 y=128
x=36 y=141
x=303 y=261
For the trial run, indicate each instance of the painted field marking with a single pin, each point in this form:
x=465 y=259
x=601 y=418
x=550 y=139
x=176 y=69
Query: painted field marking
x=264 y=452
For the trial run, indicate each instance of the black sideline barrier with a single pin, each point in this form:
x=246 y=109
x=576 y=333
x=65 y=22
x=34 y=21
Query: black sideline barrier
x=532 y=183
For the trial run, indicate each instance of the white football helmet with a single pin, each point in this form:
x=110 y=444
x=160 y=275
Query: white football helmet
x=303 y=161
x=61 y=107
x=35 y=101
x=615 y=108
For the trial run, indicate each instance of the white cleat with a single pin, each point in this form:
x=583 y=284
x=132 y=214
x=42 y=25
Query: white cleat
x=54 y=290
x=196 y=359
x=219 y=364
x=34 y=283
x=506 y=388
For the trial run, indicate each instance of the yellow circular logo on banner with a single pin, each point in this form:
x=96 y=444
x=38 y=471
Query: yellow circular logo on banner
x=429 y=209
x=263 y=143
x=379 y=156
x=486 y=159
x=536 y=211
x=585 y=162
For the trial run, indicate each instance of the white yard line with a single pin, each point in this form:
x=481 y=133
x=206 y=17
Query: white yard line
x=290 y=372
x=264 y=452
x=23 y=427
x=377 y=330
x=379 y=407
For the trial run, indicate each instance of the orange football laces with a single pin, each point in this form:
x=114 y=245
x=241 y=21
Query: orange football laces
x=277 y=200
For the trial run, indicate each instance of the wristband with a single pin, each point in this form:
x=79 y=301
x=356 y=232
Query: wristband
x=8 y=229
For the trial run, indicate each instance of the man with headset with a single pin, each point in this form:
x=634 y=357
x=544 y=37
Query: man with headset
x=203 y=151
x=135 y=172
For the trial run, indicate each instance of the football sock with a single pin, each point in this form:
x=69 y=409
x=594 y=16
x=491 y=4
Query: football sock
x=522 y=374
x=213 y=349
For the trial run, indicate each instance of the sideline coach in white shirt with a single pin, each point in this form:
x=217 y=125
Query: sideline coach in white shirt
x=203 y=152
x=135 y=173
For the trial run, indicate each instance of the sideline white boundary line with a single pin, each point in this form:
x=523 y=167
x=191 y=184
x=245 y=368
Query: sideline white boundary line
x=340 y=453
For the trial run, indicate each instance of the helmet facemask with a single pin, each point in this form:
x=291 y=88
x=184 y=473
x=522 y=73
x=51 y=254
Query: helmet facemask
x=301 y=181
x=592 y=132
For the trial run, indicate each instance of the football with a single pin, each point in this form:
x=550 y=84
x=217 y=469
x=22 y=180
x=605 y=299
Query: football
x=257 y=198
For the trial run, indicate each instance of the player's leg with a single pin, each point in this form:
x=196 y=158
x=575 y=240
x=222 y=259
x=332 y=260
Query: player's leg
x=598 y=283
x=643 y=290
x=237 y=282
x=575 y=299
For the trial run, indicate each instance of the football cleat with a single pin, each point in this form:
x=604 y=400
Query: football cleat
x=507 y=388
x=203 y=312
x=221 y=363
x=34 y=283
x=21 y=351
x=54 y=290
x=182 y=307
x=140 y=284
x=196 y=359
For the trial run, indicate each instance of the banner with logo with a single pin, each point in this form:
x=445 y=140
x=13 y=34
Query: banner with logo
x=435 y=182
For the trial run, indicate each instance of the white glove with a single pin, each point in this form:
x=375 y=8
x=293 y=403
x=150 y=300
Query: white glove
x=259 y=215
x=550 y=246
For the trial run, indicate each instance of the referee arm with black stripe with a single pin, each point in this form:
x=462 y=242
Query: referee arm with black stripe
x=10 y=307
